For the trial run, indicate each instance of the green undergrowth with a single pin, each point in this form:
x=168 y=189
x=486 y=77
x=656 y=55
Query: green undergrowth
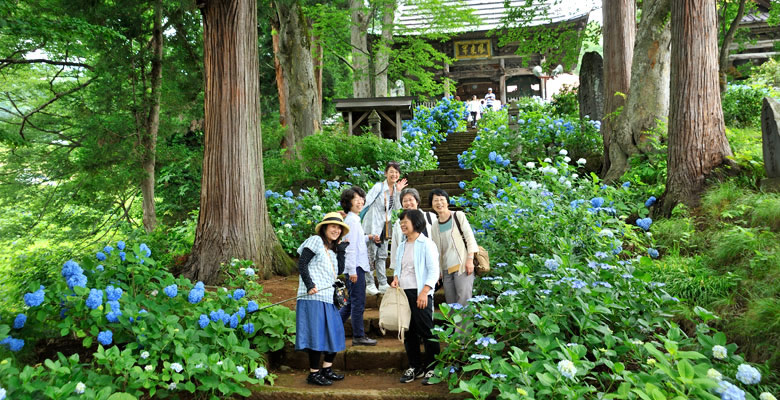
x=727 y=255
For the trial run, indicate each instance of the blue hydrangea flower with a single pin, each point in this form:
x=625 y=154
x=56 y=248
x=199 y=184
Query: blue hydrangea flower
x=100 y=267
x=120 y=245
x=477 y=299
x=71 y=268
x=195 y=295
x=113 y=294
x=567 y=368
x=238 y=294
x=578 y=284
x=479 y=357
x=113 y=316
x=455 y=306
x=105 y=338
x=509 y=293
x=216 y=315
x=100 y=256
x=498 y=376
x=249 y=272
x=462 y=184
x=260 y=373
x=108 y=249
x=145 y=249
x=171 y=290
x=597 y=202
x=241 y=312
x=652 y=252
x=492 y=156
x=35 y=298
x=485 y=341
x=200 y=286
x=95 y=299
x=728 y=391
x=644 y=223
x=748 y=375
x=12 y=343
x=288 y=194
x=203 y=321
x=122 y=255
x=79 y=280
x=112 y=305
x=3 y=394
x=19 y=321
x=249 y=328
x=626 y=184
x=234 y=320
x=650 y=201
x=551 y=264
x=252 y=306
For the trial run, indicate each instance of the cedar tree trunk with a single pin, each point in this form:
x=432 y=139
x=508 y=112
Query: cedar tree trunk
x=697 y=138
x=302 y=114
x=619 y=31
x=382 y=53
x=361 y=86
x=233 y=220
x=281 y=83
x=149 y=138
x=648 y=99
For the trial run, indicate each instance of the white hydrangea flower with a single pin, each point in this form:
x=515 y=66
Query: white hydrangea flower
x=606 y=232
x=148 y=368
x=172 y=386
x=260 y=372
x=145 y=355
x=240 y=369
x=80 y=388
x=177 y=367
x=530 y=165
x=316 y=207
x=567 y=369
x=547 y=160
x=719 y=352
x=582 y=161
x=563 y=152
x=566 y=159
x=287 y=226
x=154 y=292
x=713 y=374
x=766 y=396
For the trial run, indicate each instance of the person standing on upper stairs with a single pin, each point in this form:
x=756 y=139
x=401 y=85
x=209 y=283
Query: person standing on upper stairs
x=490 y=97
x=381 y=200
x=356 y=265
x=474 y=108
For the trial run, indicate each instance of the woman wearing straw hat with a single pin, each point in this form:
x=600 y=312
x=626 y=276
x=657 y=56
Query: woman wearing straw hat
x=318 y=325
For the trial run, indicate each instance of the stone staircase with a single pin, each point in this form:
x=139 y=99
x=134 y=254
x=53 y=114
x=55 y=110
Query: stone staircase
x=449 y=174
x=373 y=372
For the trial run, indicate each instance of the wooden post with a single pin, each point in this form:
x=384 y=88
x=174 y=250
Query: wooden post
x=349 y=127
x=397 y=124
x=502 y=82
x=446 y=81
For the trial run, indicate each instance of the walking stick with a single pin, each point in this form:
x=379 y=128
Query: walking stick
x=286 y=300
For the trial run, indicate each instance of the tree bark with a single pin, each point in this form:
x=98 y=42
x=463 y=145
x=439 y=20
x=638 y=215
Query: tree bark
x=149 y=138
x=359 y=39
x=281 y=83
x=619 y=31
x=382 y=52
x=233 y=220
x=648 y=99
x=303 y=115
x=728 y=38
x=697 y=134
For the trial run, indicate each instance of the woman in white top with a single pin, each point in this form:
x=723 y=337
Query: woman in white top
x=454 y=238
x=410 y=200
x=418 y=271
x=474 y=108
x=381 y=200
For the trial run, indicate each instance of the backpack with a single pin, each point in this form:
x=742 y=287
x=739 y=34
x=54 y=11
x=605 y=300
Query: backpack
x=394 y=312
x=481 y=259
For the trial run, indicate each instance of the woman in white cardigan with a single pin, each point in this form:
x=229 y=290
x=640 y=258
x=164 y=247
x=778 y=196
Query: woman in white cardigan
x=452 y=234
x=410 y=200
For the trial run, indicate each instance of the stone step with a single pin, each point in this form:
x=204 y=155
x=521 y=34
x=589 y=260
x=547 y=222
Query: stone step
x=414 y=182
x=357 y=385
x=436 y=172
x=448 y=186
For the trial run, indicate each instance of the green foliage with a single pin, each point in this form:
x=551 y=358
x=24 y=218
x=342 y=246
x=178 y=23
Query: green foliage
x=155 y=330
x=689 y=279
x=742 y=104
x=565 y=103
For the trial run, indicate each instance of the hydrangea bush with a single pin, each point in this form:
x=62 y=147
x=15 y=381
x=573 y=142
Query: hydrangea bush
x=145 y=331
x=569 y=309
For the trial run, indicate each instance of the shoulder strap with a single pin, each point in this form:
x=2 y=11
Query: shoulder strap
x=428 y=217
x=457 y=223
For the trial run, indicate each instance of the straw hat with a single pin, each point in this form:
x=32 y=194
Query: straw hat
x=333 y=218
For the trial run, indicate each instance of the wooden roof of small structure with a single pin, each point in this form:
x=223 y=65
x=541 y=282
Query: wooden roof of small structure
x=490 y=13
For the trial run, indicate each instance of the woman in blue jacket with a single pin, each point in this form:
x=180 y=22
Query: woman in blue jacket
x=417 y=270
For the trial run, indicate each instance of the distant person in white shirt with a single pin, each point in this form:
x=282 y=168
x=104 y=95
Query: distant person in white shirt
x=490 y=97
x=474 y=108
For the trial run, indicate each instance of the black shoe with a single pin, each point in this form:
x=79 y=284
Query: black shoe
x=315 y=378
x=330 y=375
x=426 y=379
x=363 y=341
x=409 y=375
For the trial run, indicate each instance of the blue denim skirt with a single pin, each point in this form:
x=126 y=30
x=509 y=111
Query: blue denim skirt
x=318 y=327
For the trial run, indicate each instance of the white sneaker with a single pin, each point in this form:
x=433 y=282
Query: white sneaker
x=371 y=290
x=383 y=288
